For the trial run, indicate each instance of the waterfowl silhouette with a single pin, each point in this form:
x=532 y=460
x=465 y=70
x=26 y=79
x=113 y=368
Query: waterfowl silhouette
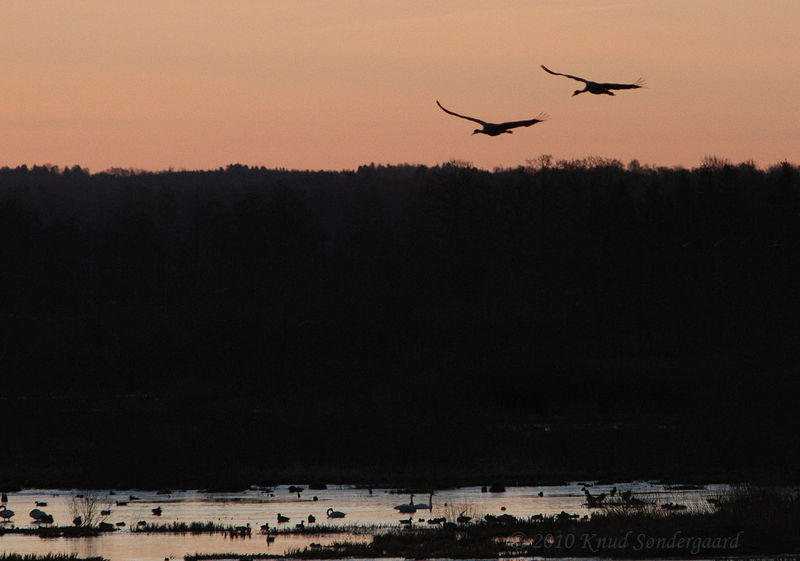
x=282 y=518
x=673 y=506
x=495 y=129
x=242 y=531
x=409 y=508
x=592 y=500
x=5 y=513
x=597 y=88
x=39 y=515
x=335 y=513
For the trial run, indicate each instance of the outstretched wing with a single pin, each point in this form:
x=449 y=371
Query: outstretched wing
x=462 y=116
x=567 y=75
x=514 y=124
x=637 y=84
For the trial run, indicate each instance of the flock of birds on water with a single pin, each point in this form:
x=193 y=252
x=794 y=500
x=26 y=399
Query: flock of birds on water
x=409 y=508
x=592 y=501
x=496 y=129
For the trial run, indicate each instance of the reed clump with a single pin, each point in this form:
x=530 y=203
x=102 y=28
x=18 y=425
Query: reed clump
x=192 y=528
x=239 y=556
x=47 y=557
x=322 y=529
x=56 y=531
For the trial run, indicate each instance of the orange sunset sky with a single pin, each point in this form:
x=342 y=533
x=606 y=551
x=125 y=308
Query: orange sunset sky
x=306 y=84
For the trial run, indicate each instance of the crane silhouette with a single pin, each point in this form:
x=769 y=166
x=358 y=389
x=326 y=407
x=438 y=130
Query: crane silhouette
x=494 y=129
x=597 y=88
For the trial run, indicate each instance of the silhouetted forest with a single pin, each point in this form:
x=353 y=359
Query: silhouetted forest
x=438 y=324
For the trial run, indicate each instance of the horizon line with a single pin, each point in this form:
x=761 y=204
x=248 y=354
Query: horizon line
x=543 y=161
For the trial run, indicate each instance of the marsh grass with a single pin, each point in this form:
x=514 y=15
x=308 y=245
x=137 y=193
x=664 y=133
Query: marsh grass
x=453 y=511
x=243 y=557
x=322 y=529
x=47 y=557
x=55 y=531
x=190 y=528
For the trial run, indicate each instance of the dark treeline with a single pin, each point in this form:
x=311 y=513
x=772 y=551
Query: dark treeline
x=566 y=319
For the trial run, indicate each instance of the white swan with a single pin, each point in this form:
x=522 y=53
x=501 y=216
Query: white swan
x=409 y=508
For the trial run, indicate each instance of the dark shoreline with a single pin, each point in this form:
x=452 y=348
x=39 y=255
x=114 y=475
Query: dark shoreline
x=426 y=479
x=123 y=444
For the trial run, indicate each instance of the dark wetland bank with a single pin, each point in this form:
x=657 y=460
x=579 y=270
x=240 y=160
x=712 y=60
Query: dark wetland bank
x=404 y=325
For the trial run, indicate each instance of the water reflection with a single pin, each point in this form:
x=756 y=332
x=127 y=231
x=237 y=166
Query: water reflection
x=257 y=507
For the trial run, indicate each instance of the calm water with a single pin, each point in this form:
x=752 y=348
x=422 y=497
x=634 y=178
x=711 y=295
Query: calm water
x=256 y=507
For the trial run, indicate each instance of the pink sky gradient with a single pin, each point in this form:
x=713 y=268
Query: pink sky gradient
x=305 y=84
